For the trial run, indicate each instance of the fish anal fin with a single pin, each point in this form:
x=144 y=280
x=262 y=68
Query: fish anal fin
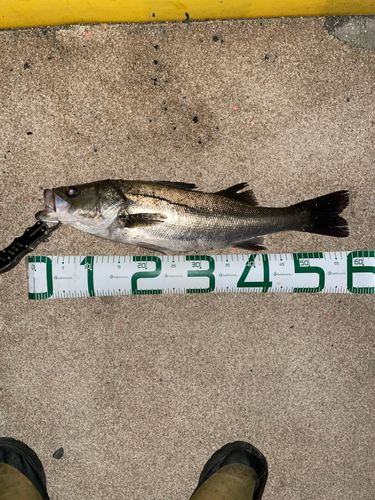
x=179 y=185
x=244 y=196
x=254 y=244
x=141 y=220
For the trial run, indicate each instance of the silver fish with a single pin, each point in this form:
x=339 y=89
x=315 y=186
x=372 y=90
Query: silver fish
x=174 y=217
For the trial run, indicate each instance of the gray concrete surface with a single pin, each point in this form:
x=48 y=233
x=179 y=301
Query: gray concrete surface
x=139 y=391
x=356 y=31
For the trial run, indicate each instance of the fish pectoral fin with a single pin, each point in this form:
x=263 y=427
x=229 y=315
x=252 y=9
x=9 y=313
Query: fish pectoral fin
x=252 y=244
x=245 y=196
x=179 y=185
x=141 y=220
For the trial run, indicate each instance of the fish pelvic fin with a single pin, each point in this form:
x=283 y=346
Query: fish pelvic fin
x=141 y=220
x=323 y=214
x=254 y=244
x=244 y=196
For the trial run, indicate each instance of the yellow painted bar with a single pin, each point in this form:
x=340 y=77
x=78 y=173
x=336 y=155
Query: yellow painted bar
x=23 y=13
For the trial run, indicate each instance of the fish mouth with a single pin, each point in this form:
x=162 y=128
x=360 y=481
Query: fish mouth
x=54 y=207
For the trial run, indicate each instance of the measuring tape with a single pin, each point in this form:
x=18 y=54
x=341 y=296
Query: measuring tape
x=52 y=277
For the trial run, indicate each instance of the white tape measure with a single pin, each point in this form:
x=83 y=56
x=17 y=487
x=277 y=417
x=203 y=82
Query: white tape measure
x=53 y=277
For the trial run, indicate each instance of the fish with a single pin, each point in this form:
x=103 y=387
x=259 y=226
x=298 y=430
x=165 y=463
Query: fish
x=167 y=216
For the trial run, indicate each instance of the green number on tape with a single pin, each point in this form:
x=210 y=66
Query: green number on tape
x=146 y=274
x=265 y=284
x=299 y=268
x=49 y=278
x=207 y=273
x=355 y=265
x=88 y=262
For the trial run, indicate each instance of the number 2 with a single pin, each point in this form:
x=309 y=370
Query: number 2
x=146 y=274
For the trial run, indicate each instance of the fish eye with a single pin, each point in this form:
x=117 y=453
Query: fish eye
x=72 y=191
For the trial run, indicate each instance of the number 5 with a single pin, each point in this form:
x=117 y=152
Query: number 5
x=311 y=269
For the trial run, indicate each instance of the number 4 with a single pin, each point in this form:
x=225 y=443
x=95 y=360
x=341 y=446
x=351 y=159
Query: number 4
x=265 y=284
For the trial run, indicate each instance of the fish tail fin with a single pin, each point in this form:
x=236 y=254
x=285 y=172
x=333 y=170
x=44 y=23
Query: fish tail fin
x=323 y=214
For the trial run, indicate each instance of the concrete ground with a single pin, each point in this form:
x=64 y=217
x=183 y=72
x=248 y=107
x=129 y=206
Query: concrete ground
x=140 y=390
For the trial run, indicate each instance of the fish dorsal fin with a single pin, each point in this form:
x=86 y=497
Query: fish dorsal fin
x=179 y=185
x=141 y=220
x=245 y=196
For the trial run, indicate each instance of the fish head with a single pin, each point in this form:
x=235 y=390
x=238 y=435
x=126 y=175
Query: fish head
x=89 y=207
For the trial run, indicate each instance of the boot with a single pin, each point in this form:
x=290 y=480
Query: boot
x=237 y=471
x=22 y=475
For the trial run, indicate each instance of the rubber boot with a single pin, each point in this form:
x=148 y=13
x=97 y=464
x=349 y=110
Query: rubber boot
x=238 y=471
x=22 y=475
